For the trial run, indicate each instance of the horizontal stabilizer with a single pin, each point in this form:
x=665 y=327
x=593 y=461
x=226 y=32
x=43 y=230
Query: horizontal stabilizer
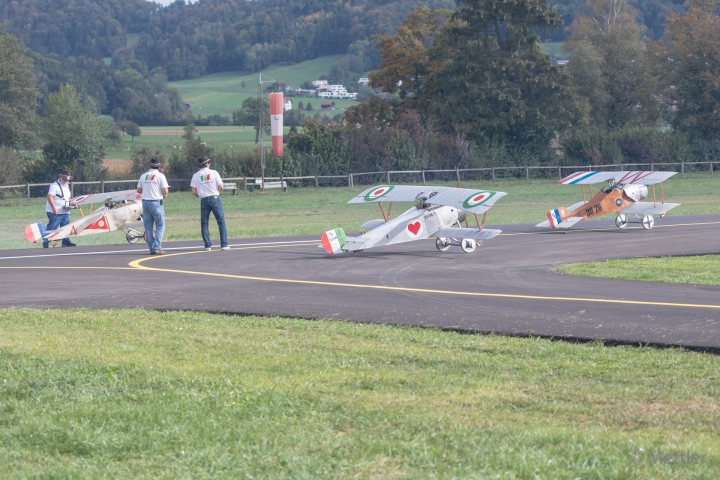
x=565 y=224
x=648 y=208
x=373 y=223
x=475 y=233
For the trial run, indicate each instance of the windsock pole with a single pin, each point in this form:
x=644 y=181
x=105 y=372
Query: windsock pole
x=276 y=122
x=262 y=140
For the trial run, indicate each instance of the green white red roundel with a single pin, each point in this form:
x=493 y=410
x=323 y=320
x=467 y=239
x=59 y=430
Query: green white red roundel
x=477 y=198
x=377 y=192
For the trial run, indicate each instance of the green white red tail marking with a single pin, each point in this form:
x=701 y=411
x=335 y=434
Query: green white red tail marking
x=333 y=240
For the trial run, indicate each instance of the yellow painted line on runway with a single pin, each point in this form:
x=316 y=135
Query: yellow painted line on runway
x=138 y=264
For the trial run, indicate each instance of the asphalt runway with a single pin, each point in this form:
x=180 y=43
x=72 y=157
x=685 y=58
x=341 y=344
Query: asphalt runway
x=507 y=286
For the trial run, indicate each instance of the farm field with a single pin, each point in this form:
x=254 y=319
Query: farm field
x=195 y=395
x=221 y=93
x=307 y=211
x=167 y=139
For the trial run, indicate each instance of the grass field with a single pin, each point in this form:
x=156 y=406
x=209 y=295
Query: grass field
x=306 y=211
x=221 y=93
x=189 y=395
x=695 y=270
x=167 y=139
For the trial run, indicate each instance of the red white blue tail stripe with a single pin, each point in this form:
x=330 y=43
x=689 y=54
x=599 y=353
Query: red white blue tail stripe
x=554 y=218
x=34 y=232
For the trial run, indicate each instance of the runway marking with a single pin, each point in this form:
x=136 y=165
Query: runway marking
x=75 y=254
x=69 y=268
x=138 y=264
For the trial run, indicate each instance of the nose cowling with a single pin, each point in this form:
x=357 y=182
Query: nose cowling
x=636 y=192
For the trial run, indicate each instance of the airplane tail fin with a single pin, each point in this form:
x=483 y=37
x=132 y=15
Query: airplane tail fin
x=333 y=240
x=35 y=232
x=556 y=217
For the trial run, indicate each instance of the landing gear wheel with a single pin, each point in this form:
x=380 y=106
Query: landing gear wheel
x=621 y=220
x=468 y=245
x=442 y=244
x=132 y=236
x=648 y=222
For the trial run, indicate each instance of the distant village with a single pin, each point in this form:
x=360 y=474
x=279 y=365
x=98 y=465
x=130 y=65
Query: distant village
x=321 y=89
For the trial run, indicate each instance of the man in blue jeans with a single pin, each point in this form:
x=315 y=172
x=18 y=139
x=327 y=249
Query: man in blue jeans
x=58 y=206
x=206 y=184
x=154 y=188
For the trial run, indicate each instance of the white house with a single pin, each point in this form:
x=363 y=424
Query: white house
x=287 y=105
x=364 y=81
x=318 y=83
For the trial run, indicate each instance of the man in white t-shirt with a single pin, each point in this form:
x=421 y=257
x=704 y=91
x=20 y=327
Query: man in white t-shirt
x=207 y=185
x=154 y=188
x=58 y=206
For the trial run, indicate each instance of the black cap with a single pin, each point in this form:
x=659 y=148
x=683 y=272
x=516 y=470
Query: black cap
x=65 y=174
x=155 y=163
x=203 y=160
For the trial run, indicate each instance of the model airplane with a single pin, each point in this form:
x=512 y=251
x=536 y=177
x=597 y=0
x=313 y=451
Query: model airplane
x=437 y=212
x=122 y=211
x=622 y=196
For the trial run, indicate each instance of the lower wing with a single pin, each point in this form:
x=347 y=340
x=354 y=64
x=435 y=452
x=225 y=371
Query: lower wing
x=455 y=232
x=565 y=224
x=648 y=208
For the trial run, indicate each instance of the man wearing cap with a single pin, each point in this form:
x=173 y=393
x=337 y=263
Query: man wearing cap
x=154 y=187
x=207 y=185
x=58 y=206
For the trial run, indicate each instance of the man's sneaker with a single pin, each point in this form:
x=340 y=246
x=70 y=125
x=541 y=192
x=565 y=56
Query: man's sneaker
x=207 y=249
x=46 y=245
x=226 y=248
x=159 y=252
x=152 y=252
x=69 y=245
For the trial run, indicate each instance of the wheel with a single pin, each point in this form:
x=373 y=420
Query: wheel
x=442 y=244
x=648 y=222
x=621 y=220
x=132 y=236
x=468 y=245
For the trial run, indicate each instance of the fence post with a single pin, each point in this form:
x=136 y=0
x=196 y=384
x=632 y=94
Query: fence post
x=711 y=169
x=622 y=166
x=652 y=167
x=28 y=190
x=102 y=186
x=282 y=185
x=349 y=181
x=559 y=173
x=682 y=166
x=527 y=174
x=316 y=183
x=72 y=190
x=423 y=175
x=245 y=184
x=493 y=173
x=457 y=173
x=388 y=174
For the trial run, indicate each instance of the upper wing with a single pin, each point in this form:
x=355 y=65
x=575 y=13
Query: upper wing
x=474 y=201
x=107 y=197
x=648 y=208
x=475 y=233
x=620 y=177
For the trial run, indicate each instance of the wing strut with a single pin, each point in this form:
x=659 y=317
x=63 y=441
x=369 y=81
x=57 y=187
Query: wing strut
x=480 y=226
x=583 y=189
x=591 y=195
x=654 y=199
x=385 y=217
x=662 y=194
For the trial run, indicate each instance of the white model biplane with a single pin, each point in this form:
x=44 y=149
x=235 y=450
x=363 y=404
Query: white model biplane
x=122 y=211
x=623 y=195
x=438 y=213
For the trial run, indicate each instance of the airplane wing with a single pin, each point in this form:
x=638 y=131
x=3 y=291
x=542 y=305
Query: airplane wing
x=477 y=234
x=78 y=227
x=620 y=177
x=648 y=208
x=107 y=197
x=471 y=200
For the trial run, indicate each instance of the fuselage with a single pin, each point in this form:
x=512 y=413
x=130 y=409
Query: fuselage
x=608 y=201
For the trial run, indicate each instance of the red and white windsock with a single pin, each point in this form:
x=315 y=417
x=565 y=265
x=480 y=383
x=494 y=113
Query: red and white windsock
x=276 y=123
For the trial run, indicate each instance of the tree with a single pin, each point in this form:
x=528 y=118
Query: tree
x=497 y=83
x=609 y=64
x=309 y=107
x=189 y=132
x=74 y=139
x=695 y=68
x=249 y=114
x=18 y=94
x=133 y=130
x=405 y=55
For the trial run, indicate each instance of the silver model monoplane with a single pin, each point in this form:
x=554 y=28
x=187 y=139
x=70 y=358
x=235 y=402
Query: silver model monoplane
x=438 y=213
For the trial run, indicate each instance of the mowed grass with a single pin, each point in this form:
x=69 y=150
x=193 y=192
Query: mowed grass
x=307 y=211
x=221 y=93
x=191 y=395
x=698 y=270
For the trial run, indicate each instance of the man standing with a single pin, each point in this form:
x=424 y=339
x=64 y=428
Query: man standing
x=154 y=187
x=207 y=185
x=58 y=206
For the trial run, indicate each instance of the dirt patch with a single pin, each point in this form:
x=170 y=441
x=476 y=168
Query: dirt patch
x=180 y=132
x=117 y=166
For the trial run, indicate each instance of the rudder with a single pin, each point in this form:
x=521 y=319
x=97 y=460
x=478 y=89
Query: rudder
x=333 y=240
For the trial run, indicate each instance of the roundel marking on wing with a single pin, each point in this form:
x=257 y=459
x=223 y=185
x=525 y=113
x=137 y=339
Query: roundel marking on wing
x=477 y=198
x=378 y=192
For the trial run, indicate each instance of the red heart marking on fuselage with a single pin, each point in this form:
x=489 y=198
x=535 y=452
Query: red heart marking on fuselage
x=414 y=227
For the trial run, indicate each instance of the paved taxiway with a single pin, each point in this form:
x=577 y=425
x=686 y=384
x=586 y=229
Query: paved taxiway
x=507 y=286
